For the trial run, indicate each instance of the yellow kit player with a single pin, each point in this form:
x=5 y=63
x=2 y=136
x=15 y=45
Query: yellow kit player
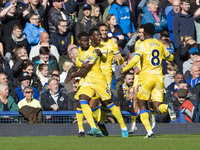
x=151 y=85
x=95 y=82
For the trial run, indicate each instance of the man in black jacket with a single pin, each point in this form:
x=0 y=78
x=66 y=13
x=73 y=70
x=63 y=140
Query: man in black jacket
x=57 y=13
x=54 y=99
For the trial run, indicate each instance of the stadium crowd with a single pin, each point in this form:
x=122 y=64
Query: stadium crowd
x=39 y=41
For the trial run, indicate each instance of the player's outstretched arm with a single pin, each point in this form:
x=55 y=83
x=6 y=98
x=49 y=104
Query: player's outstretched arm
x=131 y=64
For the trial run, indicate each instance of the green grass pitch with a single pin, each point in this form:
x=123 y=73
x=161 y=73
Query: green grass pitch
x=134 y=142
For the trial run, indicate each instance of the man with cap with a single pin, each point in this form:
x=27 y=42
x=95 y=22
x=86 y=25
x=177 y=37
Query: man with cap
x=150 y=81
x=187 y=64
x=24 y=79
x=87 y=22
x=57 y=13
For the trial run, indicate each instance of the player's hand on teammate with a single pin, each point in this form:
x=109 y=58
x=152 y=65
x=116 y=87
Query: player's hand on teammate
x=86 y=65
x=98 y=51
x=69 y=78
x=136 y=70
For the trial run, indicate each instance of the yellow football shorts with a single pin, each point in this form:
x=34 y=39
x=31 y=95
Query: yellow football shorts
x=153 y=89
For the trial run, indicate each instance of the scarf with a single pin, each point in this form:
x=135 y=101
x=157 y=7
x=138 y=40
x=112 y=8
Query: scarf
x=155 y=14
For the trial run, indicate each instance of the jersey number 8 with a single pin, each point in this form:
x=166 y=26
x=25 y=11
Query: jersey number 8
x=155 y=61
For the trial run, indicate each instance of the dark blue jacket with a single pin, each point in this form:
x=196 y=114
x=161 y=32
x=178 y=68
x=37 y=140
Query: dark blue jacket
x=62 y=41
x=21 y=96
x=183 y=25
x=169 y=18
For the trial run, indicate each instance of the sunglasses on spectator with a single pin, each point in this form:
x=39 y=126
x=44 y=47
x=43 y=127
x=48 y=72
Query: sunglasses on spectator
x=28 y=92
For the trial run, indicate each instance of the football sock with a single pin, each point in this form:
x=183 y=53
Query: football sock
x=144 y=117
x=96 y=113
x=104 y=112
x=87 y=112
x=162 y=108
x=133 y=116
x=117 y=114
x=79 y=116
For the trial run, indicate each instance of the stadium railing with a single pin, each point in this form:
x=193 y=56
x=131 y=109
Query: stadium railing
x=56 y=117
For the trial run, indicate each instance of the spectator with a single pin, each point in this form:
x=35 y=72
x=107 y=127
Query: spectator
x=122 y=14
x=105 y=14
x=62 y=38
x=57 y=13
x=17 y=38
x=29 y=107
x=169 y=78
x=44 y=41
x=170 y=16
x=114 y=29
x=123 y=91
x=53 y=99
x=195 y=78
x=87 y=22
x=151 y=14
x=188 y=64
x=12 y=93
x=10 y=19
x=45 y=58
x=66 y=56
x=43 y=74
x=19 y=57
x=34 y=80
x=38 y=8
x=80 y=12
x=7 y=103
x=183 y=23
x=173 y=87
x=24 y=79
x=33 y=30
x=96 y=13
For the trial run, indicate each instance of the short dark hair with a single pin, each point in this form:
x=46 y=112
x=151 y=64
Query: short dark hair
x=93 y=30
x=32 y=14
x=82 y=34
x=181 y=81
x=41 y=66
x=44 y=50
x=102 y=24
x=186 y=1
x=28 y=63
x=61 y=20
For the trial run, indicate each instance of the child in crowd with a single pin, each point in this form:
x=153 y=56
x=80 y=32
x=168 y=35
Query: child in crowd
x=45 y=58
x=169 y=78
x=42 y=73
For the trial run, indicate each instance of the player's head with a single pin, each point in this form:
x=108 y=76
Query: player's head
x=95 y=36
x=83 y=40
x=103 y=28
x=149 y=30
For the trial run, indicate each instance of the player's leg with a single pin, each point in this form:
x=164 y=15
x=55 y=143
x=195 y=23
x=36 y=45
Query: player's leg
x=134 y=112
x=157 y=98
x=117 y=114
x=87 y=112
x=144 y=116
x=152 y=112
x=96 y=112
x=79 y=117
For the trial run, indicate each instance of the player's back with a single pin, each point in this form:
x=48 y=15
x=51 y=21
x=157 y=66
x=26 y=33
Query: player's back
x=152 y=52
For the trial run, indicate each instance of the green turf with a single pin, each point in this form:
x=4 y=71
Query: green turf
x=134 y=142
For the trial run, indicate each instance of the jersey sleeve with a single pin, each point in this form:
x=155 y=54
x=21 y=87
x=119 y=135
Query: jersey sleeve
x=167 y=55
x=133 y=62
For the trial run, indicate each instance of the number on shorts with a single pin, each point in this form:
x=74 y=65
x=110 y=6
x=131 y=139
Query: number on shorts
x=155 y=61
